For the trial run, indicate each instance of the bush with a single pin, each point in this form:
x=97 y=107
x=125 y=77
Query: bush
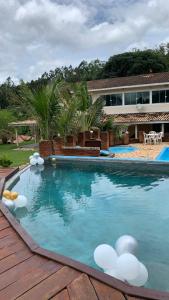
x=107 y=125
x=5 y=161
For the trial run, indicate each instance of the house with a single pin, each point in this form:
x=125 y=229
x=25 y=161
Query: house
x=141 y=102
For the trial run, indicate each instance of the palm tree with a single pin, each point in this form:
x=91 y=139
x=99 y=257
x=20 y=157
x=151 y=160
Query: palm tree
x=62 y=108
x=77 y=112
x=43 y=105
x=88 y=114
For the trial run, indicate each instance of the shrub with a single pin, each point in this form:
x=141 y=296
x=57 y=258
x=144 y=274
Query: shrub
x=5 y=161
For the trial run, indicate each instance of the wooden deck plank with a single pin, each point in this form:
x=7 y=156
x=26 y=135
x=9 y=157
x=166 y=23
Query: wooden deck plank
x=63 y=295
x=6 y=232
x=6 y=251
x=4 y=223
x=20 y=270
x=133 y=298
x=14 y=259
x=81 y=289
x=105 y=292
x=8 y=241
x=8 y=172
x=52 y=285
x=30 y=280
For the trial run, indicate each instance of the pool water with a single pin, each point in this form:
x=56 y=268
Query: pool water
x=122 y=149
x=75 y=206
x=164 y=154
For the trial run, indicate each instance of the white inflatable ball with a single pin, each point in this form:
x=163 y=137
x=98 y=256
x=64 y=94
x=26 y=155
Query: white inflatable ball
x=114 y=274
x=9 y=203
x=21 y=201
x=36 y=155
x=142 y=277
x=126 y=244
x=33 y=162
x=41 y=168
x=105 y=257
x=40 y=161
x=3 y=200
x=128 y=266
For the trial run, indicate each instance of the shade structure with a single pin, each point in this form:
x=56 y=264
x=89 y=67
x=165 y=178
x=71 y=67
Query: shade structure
x=29 y=123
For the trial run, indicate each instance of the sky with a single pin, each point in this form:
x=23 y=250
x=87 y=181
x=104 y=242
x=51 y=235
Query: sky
x=40 y=35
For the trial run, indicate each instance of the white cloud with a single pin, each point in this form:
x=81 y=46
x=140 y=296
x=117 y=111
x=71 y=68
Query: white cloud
x=39 y=35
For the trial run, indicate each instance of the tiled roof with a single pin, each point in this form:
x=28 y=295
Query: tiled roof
x=150 y=78
x=140 y=118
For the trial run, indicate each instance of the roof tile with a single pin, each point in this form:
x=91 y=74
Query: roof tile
x=140 y=118
x=150 y=78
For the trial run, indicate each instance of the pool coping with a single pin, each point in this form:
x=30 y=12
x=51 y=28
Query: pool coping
x=126 y=289
x=104 y=159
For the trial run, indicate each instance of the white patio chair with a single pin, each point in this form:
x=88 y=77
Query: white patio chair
x=159 y=137
x=146 y=138
x=153 y=137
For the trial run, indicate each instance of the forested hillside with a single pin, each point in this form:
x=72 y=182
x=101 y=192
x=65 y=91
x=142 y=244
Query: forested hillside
x=125 y=64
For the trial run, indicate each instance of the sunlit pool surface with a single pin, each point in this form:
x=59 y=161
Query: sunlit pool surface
x=122 y=149
x=164 y=154
x=119 y=149
x=75 y=206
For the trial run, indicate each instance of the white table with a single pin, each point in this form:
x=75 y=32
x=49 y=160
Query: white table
x=153 y=137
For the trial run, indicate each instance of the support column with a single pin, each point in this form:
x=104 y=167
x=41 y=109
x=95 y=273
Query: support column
x=123 y=100
x=16 y=136
x=162 y=128
x=150 y=97
x=136 y=132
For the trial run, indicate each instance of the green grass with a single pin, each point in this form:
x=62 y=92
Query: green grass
x=18 y=157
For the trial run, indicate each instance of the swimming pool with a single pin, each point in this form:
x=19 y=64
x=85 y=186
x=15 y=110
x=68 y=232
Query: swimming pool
x=74 y=206
x=164 y=154
x=118 y=149
x=122 y=149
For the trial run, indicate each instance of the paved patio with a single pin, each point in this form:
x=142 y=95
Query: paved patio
x=149 y=152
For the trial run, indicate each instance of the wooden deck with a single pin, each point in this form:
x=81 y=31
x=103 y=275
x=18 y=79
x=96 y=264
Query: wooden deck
x=30 y=272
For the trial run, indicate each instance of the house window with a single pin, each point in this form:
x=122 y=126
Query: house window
x=113 y=100
x=160 y=96
x=137 y=98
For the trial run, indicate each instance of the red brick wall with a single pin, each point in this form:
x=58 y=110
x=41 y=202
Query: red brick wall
x=96 y=134
x=45 y=148
x=111 y=138
x=81 y=139
x=81 y=152
x=104 y=140
x=71 y=141
x=126 y=139
x=58 y=143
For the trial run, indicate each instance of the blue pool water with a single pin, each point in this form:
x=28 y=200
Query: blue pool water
x=122 y=149
x=164 y=154
x=75 y=206
x=118 y=149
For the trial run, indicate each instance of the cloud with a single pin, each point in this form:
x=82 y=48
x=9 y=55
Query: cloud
x=39 y=35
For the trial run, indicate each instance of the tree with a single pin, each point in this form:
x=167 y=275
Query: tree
x=135 y=63
x=42 y=105
x=77 y=112
x=6 y=117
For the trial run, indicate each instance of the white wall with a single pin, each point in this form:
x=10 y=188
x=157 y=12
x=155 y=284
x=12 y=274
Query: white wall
x=164 y=107
x=123 y=109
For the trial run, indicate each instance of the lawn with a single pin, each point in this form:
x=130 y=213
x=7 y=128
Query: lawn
x=18 y=157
